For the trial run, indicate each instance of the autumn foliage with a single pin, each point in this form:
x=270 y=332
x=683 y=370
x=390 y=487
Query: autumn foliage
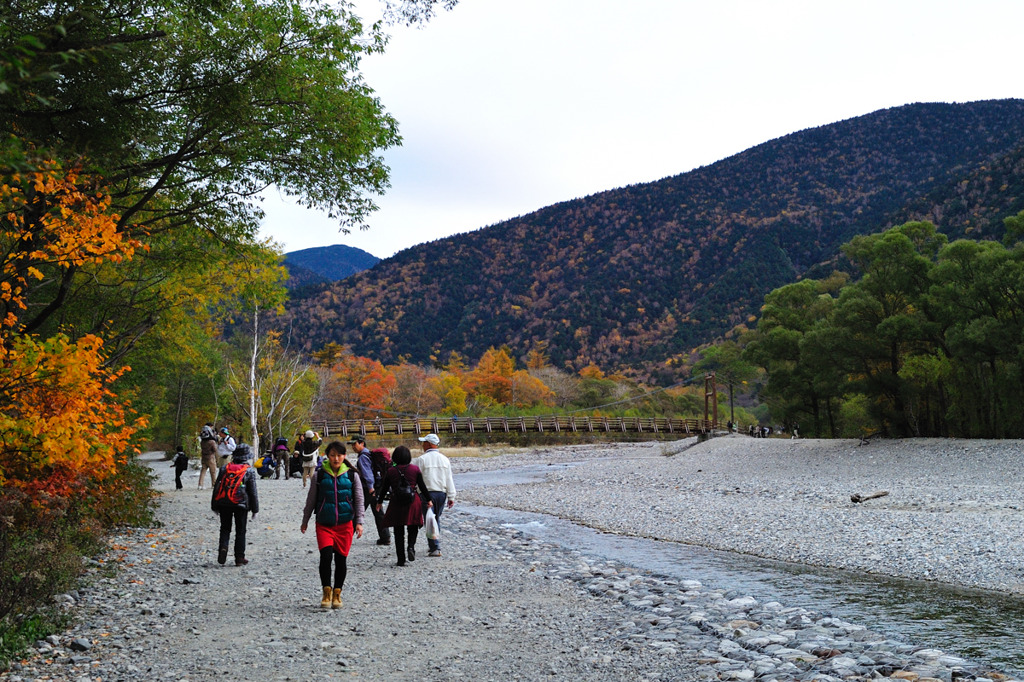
x=61 y=423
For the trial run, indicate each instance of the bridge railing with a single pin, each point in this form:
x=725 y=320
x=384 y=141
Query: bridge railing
x=411 y=426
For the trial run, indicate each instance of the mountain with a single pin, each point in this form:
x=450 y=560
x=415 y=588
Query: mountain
x=325 y=264
x=631 y=277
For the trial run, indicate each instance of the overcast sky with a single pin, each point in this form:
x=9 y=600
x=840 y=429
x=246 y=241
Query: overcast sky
x=507 y=106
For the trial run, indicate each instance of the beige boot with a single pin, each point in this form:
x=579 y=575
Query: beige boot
x=336 y=600
x=325 y=603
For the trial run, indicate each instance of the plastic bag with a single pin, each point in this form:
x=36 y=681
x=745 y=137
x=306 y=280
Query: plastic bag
x=430 y=526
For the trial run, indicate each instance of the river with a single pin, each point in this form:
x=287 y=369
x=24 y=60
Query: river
x=977 y=624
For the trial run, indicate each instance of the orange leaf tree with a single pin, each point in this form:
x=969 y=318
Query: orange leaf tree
x=60 y=422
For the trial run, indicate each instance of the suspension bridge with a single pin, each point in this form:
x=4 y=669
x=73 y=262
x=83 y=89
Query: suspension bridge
x=483 y=426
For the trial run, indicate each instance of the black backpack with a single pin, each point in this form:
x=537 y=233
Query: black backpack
x=402 y=493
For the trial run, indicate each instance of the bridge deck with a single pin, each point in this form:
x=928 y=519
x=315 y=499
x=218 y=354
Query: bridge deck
x=498 y=425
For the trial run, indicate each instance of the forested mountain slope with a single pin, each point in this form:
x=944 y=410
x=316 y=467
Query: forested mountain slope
x=632 y=276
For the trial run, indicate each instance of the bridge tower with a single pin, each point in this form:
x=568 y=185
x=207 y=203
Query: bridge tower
x=711 y=399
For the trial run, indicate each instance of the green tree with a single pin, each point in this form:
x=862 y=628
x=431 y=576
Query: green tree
x=882 y=319
x=188 y=117
x=802 y=384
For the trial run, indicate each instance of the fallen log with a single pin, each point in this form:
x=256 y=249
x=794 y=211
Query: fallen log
x=857 y=497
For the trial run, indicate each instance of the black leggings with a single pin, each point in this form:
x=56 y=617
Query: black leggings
x=340 y=567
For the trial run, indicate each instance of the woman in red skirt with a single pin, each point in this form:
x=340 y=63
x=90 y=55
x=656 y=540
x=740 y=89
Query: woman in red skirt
x=403 y=514
x=336 y=497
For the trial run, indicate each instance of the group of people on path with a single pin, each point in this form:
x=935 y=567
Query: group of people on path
x=400 y=490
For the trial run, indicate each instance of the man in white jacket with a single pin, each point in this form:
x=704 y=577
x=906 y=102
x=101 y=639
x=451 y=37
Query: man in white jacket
x=437 y=474
x=225 y=447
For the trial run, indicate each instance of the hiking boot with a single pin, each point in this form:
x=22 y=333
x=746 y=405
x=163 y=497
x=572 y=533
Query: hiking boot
x=325 y=603
x=411 y=553
x=241 y=561
x=434 y=552
x=336 y=598
x=222 y=555
x=383 y=541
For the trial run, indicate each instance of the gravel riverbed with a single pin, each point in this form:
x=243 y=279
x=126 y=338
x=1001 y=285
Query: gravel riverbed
x=500 y=605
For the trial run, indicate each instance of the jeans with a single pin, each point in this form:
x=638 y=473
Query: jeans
x=439 y=499
x=225 y=530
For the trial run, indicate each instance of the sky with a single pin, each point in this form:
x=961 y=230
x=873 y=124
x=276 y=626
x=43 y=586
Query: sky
x=507 y=106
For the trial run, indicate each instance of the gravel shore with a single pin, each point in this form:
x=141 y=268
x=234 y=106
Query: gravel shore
x=501 y=606
x=953 y=512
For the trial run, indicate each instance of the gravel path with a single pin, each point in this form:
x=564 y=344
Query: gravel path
x=501 y=606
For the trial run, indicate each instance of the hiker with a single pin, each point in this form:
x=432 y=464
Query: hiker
x=180 y=464
x=437 y=473
x=207 y=453
x=308 y=449
x=266 y=465
x=405 y=510
x=234 y=495
x=225 y=447
x=366 y=475
x=380 y=462
x=336 y=495
x=280 y=454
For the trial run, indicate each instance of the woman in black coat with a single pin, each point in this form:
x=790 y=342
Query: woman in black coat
x=400 y=514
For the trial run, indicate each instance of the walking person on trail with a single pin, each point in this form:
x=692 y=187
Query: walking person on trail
x=207 y=453
x=308 y=448
x=234 y=495
x=226 y=446
x=405 y=510
x=380 y=462
x=369 y=479
x=336 y=496
x=180 y=464
x=437 y=474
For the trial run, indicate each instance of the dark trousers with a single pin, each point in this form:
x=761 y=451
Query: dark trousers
x=400 y=541
x=439 y=499
x=177 y=478
x=225 y=530
x=340 y=567
x=383 y=531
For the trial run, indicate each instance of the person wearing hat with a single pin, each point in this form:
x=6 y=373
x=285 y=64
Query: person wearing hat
x=309 y=452
x=370 y=484
x=234 y=496
x=208 y=453
x=225 y=447
x=437 y=474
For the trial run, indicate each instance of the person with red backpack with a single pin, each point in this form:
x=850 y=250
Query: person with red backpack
x=234 y=495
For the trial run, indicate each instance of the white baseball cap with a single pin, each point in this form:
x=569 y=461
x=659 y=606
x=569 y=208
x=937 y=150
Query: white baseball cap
x=431 y=438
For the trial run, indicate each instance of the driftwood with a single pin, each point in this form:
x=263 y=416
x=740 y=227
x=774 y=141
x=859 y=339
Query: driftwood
x=857 y=497
x=865 y=438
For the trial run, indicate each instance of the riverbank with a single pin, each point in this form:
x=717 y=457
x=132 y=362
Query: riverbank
x=498 y=605
x=953 y=513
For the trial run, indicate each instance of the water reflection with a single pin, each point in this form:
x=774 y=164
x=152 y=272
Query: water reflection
x=976 y=624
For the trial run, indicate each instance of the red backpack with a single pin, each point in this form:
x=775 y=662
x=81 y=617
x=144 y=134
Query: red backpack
x=228 y=492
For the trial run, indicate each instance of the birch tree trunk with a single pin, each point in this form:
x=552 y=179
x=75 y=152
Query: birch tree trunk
x=253 y=417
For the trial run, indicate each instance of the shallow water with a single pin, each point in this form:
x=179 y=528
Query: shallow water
x=976 y=624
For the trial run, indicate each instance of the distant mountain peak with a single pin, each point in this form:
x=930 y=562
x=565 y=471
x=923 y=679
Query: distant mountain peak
x=325 y=264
